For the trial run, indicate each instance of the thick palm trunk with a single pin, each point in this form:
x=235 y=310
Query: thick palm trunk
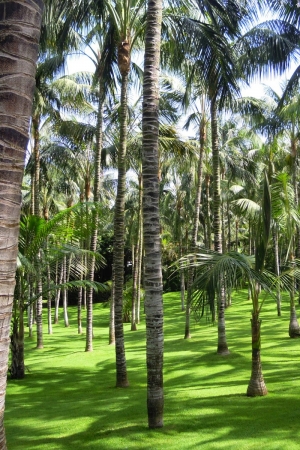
x=119 y=230
x=256 y=385
x=222 y=343
x=153 y=271
x=20 y=30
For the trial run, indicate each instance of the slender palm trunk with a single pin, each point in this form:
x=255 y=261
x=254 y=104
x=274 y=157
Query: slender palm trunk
x=17 y=367
x=152 y=243
x=65 y=294
x=112 y=335
x=119 y=230
x=208 y=243
x=277 y=269
x=39 y=312
x=222 y=343
x=36 y=156
x=256 y=385
x=294 y=329
x=135 y=250
x=193 y=245
x=140 y=262
x=93 y=247
x=49 y=300
x=57 y=295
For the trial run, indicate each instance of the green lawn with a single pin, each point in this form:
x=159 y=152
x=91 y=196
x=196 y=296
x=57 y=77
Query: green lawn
x=68 y=399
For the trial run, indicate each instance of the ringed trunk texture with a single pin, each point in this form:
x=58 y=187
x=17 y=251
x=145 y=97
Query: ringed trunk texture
x=257 y=385
x=19 y=37
x=152 y=244
x=118 y=256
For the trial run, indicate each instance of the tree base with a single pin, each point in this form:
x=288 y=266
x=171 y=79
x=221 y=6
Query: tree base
x=223 y=351
x=256 y=388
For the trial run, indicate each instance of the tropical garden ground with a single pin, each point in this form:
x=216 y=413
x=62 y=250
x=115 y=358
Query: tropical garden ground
x=69 y=400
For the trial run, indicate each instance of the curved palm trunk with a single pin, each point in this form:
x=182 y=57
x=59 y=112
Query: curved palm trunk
x=20 y=30
x=222 y=343
x=152 y=243
x=93 y=247
x=118 y=257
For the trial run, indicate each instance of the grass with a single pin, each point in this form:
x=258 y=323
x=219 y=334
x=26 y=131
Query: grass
x=68 y=399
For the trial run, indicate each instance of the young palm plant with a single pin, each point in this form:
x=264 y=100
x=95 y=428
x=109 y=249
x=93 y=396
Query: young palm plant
x=216 y=270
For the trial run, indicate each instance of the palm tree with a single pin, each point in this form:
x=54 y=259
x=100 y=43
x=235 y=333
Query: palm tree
x=21 y=24
x=152 y=260
x=217 y=270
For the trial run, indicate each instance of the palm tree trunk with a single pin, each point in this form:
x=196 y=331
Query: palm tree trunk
x=112 y=335
x=277 y=269
x=57 y=295
x=135 y=250
x=193 y=246
x=93 y=247
x=65 y=292
x=17 y=367
x=152 y=243
x=36 y=157
x=208 y=243
x=20 y=29
x=222 y=343
x=140 y=262
x=119 y=229
x=49 y=299
x=256 y=385
x=39 y=312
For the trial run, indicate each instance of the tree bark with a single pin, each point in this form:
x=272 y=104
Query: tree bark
x=152 y=244
x=19 y=38
x=256 y=385
x=118 y=257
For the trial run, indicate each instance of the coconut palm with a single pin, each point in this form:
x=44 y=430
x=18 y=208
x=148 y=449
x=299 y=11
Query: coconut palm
x=21 y=23
x=152 y=260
